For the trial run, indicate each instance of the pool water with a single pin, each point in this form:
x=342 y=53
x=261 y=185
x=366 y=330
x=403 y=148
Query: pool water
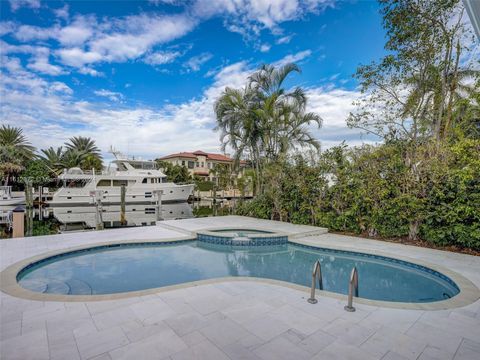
x=124 y=268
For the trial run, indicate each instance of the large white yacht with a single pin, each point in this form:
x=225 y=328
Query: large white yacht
x=141 y=178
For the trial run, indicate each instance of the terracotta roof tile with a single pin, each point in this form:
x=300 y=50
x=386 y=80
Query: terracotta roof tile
x=193 y=155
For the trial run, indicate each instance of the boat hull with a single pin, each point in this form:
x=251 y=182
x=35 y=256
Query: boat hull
x=111 y=195
x=12 y=201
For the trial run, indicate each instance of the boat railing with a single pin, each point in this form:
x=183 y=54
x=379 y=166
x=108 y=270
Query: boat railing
x=6 y=218
x=5 y=192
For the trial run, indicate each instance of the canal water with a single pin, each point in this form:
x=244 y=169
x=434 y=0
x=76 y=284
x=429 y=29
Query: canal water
x=52 y=220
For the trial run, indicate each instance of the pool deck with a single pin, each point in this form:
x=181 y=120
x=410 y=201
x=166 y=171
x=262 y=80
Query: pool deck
x=243 y=319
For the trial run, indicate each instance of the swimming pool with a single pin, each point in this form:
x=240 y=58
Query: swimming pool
x=131 y=267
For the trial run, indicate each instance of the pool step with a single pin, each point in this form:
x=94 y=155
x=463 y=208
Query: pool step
x=36 y=285
x=79 y=287
x=57 y=287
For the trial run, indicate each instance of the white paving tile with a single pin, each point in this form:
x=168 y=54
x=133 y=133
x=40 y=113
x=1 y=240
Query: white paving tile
x=224 y=332
x=201 y=351
x=99 y=342
x=33 y=345
x=158 y=346
x=281 y=348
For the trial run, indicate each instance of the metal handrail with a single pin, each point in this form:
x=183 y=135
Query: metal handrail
x=352 y=290
x=317 y=272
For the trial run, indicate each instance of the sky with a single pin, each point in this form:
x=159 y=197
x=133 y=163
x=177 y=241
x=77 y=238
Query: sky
x=143 y=76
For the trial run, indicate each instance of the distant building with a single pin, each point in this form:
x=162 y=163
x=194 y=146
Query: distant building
x=200 y=163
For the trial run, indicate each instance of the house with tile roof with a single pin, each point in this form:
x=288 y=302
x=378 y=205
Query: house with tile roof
x=200 y=163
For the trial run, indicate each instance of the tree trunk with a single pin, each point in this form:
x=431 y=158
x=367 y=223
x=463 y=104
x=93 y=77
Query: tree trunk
x=413 y=230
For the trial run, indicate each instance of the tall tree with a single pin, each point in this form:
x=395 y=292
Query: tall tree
x=417 y=96
x=83 y=145
x=52 y=158
x=413 y=92
x=15 y=151
x=83 y=152
x=264 y=121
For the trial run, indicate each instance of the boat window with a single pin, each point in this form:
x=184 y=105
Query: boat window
x=104 y=182
x=164 y=179
x=121 y=167
x=120 y=182
x=144 y=181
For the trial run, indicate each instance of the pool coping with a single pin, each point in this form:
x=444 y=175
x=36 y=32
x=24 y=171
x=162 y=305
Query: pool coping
x=469 y=293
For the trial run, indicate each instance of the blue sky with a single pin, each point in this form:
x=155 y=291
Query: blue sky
x=142 y=76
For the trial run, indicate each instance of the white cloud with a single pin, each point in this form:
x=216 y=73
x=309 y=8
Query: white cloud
x=111 y=95
x=6 y=27
x=265 y=47
x=49 y=114
x=60 y=87
x=76 y=57
x=87 y=40
x=293 y=58
x=162 y=57
x=89 y=71
x=41 y=64
x=76 y=33
x=251 y=16
x=195 y=62
x=29 y=32
x=141 y=33
x=39 y=60
x=284 y=39
x=63 y=12
x=16 y=4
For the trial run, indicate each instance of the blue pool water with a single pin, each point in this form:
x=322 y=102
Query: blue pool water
x=114 y=269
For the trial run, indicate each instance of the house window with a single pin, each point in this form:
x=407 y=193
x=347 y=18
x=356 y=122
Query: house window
x=203 y=164
x=183 y=162
x=191 y=164
x=209 y=165
x=197 y=164
x=144 y=181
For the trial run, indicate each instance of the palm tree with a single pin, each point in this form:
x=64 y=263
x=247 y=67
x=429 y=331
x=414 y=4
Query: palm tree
x=264 y=120
x=83 y=145
x=85 y=151
x=239 y=125
x=15 y=151
x=53 y=159
x=72 y=158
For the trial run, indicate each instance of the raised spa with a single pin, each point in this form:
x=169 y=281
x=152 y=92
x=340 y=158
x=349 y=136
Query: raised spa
x=130 y=267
